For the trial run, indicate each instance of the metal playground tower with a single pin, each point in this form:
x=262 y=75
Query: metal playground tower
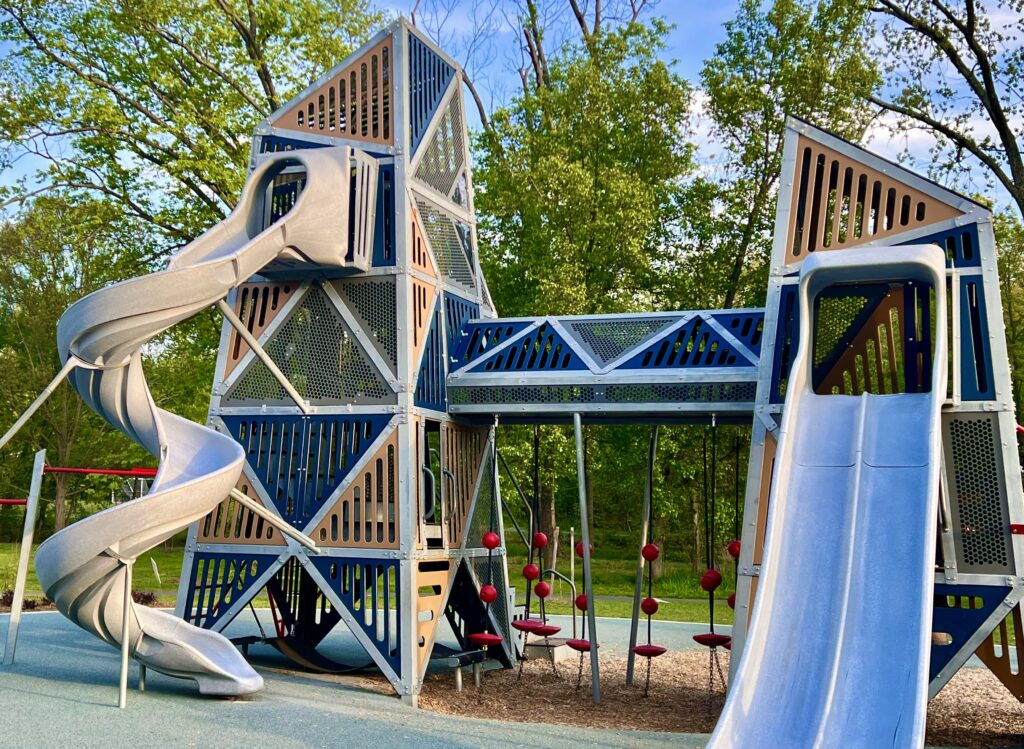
x=361 y=455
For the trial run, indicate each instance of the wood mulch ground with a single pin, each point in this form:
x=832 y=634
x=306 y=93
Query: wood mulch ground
x=974 y=710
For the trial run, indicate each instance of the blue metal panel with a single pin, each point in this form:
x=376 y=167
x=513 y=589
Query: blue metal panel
x=975 y=351
x=456 y=311
x=747 y=327
x=787 y=336
x=693 y=345
x=384 y=223
x=369 y=590
x=476 y=339
x=429 y=77
x=960 y=245
x=301 y=460
x=542 y=349
x=430 y=384
x=959 y=612
x=276 y=144
x=217 y=580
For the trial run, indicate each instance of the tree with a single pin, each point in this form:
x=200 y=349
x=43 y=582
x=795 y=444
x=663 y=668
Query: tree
x=957 y=70
x=806 y=58
x=55 y=253
x=149 y=105
x=579 y=186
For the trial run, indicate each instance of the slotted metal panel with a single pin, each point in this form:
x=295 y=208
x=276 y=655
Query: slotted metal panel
x=444 y=154
x=219 y=579
x=301 y=460
x=541 y=349
x=448 y=241
x=456 y=312
x=321 y=357
x=476 y=339
x=368 y=588
x=430 y=385
x=746 y=327
x=429 y=77
x=694 y=344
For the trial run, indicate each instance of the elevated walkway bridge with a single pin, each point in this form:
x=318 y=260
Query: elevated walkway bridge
x=648 y=367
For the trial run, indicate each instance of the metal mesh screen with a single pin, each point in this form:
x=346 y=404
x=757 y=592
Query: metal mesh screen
x=484 y=515
x=980 y=512
x=450 y=251
x=444 y=155
x=373 y=304
x=703 y=392
x=609 y=339
x=520 y=394
x=492 y=572
x=320 y=357
x=835 y=316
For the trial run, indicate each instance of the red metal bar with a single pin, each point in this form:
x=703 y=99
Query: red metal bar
x=13 y=501
x=136 y=472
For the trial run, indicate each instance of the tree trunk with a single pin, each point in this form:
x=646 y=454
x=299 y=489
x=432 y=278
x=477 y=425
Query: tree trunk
x=697 y=555
x=60 y=505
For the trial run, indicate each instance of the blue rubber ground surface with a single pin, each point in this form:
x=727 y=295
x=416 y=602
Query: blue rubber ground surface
x=62 y=692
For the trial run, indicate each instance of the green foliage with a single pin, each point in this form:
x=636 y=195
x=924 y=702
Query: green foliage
x=150 y=104
x=579 y=180
x=1009 y=232
x=804 y=58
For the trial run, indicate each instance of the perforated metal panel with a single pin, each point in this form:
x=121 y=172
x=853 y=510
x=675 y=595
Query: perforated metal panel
x=318 y=353
x=503 y=395
x=835 y=316
x=491 y=572
x=444 y=154
x=980 y=521
x=607 y=340
x=697 y=392
x=485 y=513
x=372 y=302
x=447 y=243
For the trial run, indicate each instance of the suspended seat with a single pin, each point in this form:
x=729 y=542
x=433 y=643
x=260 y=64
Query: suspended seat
x=485 y=639
x=580 y=646
x=712 y=640
x=526 y=625
x=649 y=651
x=546 y=630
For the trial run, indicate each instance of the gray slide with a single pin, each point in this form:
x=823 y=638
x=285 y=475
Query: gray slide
x=80 y=567
x=838 y=649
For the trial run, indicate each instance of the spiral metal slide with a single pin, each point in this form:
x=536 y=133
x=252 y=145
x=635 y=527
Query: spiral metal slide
x=81 y=568
x=838 y=647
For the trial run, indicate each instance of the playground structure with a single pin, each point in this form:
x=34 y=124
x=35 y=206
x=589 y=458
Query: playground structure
x=349 y=466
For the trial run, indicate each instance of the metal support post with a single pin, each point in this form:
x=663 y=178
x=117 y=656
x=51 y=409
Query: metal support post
x=25 y=554
x=458 y=678
x=644 y=531
x=70 y=364
x=142 y=678
x=262 y=355
x=595 y=671
x=122 y=695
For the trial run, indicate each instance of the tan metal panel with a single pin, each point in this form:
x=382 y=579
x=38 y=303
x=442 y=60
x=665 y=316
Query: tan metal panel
x=365 y=516
x=232 y=523
x=462 y=450
x=860 y=368
x=421 y=259
x=256 y=304
x=355 y=102
x=767 y=464
x=432 y=584
x=997 y=657
x=422 y=309
x=840 y=213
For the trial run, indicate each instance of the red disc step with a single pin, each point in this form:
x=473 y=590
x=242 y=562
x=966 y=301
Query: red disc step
x=649 y=651
x=581 y=646
x=712 y=640
x=485 y=639
x=546 y=630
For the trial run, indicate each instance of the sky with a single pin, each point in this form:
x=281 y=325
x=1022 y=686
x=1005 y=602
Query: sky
x=482 y=35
